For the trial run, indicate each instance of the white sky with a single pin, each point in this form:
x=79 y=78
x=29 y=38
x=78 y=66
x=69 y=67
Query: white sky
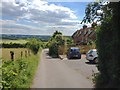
x=37 y=17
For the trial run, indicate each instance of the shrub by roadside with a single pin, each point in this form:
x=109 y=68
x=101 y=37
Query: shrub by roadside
x=54 y=43
x=84 y=49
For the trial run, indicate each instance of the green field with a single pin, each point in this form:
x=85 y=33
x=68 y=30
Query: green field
x=21 y=41
x=17 y=53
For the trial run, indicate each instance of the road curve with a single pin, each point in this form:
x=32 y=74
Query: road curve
x=54 y=73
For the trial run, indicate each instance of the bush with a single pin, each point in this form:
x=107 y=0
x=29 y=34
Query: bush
x=55 y=41
x=12 y=45
x=53 y=49
x=85 y=48
x=34 y=45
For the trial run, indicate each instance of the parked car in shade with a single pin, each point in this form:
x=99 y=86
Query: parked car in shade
x=92 y=56
x=73 y=52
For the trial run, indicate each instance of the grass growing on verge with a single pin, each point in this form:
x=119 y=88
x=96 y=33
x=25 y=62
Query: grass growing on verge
x=19 y=73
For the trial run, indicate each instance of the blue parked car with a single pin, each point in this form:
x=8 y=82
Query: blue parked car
x=73 y=52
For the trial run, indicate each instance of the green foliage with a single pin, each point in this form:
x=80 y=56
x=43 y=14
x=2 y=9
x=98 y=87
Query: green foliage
x=19 y=73
x=12 y=45
x=85 y=48
x=69 y=41
x=92 y=13
x=34 y=45
x=55 y=41
x=95 y=77
x=53 y=49
x=43 y=44
x=91 y=43
x=109 y=64
x=107 y=44
x=56 y=33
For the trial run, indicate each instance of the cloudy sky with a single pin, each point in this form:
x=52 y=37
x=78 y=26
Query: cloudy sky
x=38 y=17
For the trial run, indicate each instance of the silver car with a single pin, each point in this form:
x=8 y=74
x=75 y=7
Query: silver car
x=92 y=56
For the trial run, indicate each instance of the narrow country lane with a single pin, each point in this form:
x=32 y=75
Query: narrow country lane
x=56 y=73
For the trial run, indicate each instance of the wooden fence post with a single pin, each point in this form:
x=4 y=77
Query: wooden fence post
x=12 y=55
x=21 y=54
x=29 y=52
x=25 y=53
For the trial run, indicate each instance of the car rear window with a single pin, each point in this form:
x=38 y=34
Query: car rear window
x=89 y=52
x=75 y=50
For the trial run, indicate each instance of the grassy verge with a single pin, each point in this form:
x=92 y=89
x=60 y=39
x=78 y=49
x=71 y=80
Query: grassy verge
x=19 y=73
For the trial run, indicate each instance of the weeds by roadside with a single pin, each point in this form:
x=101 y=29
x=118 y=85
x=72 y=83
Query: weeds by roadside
x=19 y=73
x=95 y=76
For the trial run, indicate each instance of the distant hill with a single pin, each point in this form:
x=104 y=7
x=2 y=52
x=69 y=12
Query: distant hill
x=15 y=37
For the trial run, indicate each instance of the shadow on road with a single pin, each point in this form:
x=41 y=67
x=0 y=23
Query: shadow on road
x=90 y=63
x=50 y=57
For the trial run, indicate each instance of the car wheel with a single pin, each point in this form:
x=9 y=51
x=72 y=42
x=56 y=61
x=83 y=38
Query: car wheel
x=91 y=61
x=96 y=60
x=79 y=57
x=68 y=57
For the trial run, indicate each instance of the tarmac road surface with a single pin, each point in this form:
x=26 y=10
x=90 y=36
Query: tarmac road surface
x=57 y=73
